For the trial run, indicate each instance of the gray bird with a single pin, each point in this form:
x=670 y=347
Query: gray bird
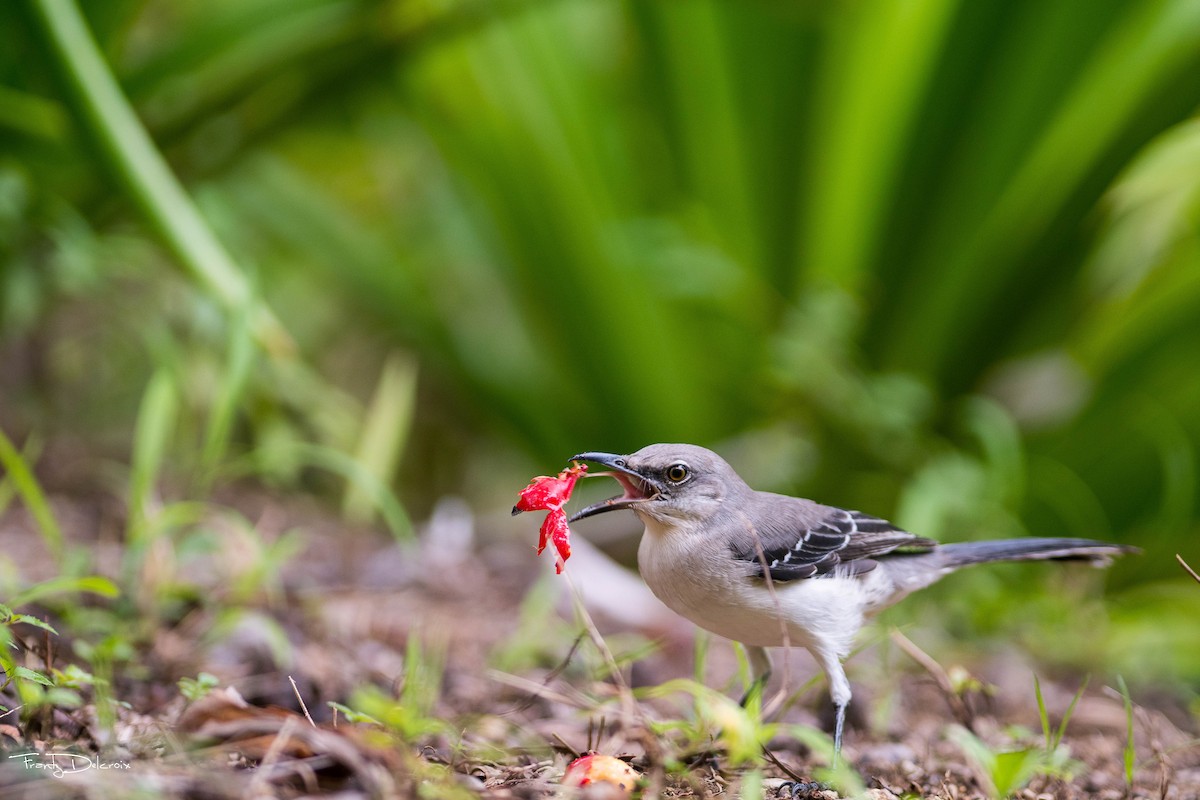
x=769 y=570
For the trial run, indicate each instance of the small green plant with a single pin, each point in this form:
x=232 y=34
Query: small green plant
x=106 y=656
x=410 y=714
x=1057 y=756
x=1129 y=755
x=371 y=704
x=1002 y=772
x=35 y=689
x=719 y=719
x=9 y=641
x=41 y=688
x=196 y=688
x=741 y=733
x=541 y=635
x=1006 y=770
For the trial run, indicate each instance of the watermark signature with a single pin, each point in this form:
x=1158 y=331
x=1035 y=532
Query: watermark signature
x=60 y=764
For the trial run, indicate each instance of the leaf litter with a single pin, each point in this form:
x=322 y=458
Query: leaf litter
x=378 y=671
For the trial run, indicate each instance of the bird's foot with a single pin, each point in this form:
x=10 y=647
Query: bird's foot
x=802 y=790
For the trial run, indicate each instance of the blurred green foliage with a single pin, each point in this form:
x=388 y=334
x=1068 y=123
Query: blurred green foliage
x=933 y=259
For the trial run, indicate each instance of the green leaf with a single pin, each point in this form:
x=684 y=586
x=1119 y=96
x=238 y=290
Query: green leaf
x=752 y=785
x=60 y=697
x=979 y=754
x=34 y=621
x=32 y=675
x=1015 y=768
x=196 y=688
x=92 y=584
x=351 y=715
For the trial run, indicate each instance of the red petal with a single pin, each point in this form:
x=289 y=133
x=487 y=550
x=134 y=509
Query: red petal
x=560 y=535
x=536 y=496
x=545 y=492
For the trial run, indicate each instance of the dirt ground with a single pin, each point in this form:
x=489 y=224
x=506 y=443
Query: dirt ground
x=510 y=686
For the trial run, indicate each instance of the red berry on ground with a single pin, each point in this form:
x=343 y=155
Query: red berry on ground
x=594 y=768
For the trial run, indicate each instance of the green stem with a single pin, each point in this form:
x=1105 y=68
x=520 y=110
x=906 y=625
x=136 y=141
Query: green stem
x=109 y=121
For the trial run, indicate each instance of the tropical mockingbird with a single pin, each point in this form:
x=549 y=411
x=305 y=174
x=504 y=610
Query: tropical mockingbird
x=769 y=570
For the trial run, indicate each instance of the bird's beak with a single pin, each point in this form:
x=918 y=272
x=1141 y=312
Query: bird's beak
x=638 y=488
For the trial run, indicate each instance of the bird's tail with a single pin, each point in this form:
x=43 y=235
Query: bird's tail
x=910 y=572
x=962 y=554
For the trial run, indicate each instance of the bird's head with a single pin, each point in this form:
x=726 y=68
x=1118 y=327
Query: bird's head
x=668 y=483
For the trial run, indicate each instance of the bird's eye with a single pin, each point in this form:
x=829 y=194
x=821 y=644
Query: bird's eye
x=678 y=473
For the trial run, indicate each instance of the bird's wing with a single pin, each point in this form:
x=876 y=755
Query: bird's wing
x=811 y=540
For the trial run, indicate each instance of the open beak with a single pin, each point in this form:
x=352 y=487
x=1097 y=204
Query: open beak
x=637 y=488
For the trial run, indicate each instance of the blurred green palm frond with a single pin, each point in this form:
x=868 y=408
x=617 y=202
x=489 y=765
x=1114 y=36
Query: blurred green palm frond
x=937 y=256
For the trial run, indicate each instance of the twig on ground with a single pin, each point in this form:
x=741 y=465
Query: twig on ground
x=1189 y=570
x=562 y=743
x=551 y=675
x=774 y=759
x=631 y=712
x=303 y=707
x=940 y=676
x=536 y=689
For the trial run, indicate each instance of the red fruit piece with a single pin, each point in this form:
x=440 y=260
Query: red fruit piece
x=546 y=493
x=594 y=768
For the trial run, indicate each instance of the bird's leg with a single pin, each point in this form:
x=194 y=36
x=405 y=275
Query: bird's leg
x=837 y=733
x=839 y=692
x=760 y=671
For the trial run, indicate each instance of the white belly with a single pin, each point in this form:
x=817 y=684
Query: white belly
x=701 y=587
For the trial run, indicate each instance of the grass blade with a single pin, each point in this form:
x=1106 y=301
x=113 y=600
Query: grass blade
x=156 y=419
x=1062 y=726
x=384 y=433
x=1042 y=715
x=349 y=468
x=1129 y=754
x=26 y=485
x=239 y=361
